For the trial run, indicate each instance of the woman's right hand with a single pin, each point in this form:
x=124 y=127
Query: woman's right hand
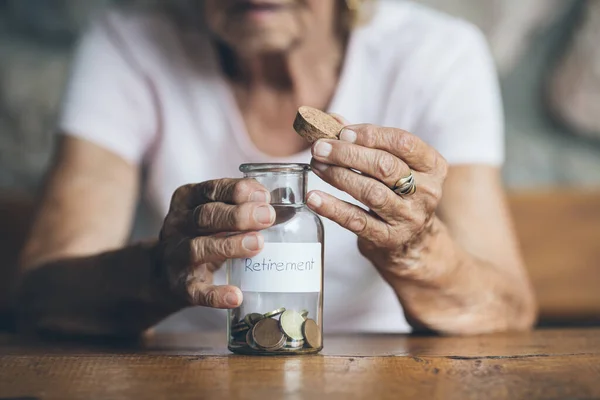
x=194 y=242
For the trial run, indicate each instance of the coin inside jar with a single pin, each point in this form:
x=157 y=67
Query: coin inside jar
x=252 y=318
x=312 y=333
x=267 y=335
x=240 y=327
x=239 y=336
x=250 y=340
x=277 y=346
x=291 y=324
x=274 y=313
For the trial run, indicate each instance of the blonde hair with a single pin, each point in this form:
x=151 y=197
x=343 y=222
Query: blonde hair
x=358 y=12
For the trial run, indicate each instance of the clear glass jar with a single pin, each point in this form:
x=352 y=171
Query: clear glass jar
x=282 y=311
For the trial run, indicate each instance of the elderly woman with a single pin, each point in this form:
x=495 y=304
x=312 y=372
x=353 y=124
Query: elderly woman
x=188 y=96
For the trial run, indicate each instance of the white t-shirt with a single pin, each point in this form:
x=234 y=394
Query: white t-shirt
x=152 y=92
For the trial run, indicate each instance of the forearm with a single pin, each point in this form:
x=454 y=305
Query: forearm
x=444 y=288
x=116 y=293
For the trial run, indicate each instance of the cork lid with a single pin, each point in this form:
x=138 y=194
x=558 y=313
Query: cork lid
x=313 y=124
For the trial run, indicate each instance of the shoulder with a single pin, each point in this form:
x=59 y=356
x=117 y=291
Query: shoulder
x=401 y=29
x=136 y=34
x=133 y=22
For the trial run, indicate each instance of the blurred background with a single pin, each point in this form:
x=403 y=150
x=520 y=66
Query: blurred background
x=548 y=58
x=546 y=51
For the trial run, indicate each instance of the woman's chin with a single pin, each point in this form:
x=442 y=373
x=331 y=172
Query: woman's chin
x=262 y=44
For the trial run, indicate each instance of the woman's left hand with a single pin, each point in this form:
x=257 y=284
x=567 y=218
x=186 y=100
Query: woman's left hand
x=391 y=233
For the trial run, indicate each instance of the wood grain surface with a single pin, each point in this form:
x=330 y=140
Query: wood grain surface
x=559 y=233
x=545 y=364
x=313 y=124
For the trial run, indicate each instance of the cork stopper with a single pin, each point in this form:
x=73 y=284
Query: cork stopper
x=313 y=124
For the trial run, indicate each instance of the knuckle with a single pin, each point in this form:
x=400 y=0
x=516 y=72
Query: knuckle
x=239 y=217
x=342 y=175
x=180 y=194
x=212 y=190
x=351 y=156
x=385 y=166
x=357 y=222
x=193 y=294
x=211 y=298
x=369 y=136
x=218 y=216
x=405 y=142
x=226 y=247
x=433 y=196
x=242 y=189
x=204 y=216
x=376 y=196
x=196 y=249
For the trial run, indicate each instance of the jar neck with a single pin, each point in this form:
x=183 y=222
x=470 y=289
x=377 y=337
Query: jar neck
x=286 y=187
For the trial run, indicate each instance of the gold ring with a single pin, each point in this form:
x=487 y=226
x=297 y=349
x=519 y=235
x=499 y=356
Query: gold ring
x=405 y=186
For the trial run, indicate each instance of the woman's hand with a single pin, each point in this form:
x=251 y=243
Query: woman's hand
x=460 y=276
x=394 y=228
x=193 y=241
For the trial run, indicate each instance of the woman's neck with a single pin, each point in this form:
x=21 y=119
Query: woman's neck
x=304 y=71
x=269 y=88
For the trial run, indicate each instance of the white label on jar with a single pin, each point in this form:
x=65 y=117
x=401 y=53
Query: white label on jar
x=282 y=267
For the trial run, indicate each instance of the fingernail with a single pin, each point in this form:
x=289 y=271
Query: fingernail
x=322 y=149
x=314 y=200
x=319 y=166
x=232 y=299
x=348 y=136
x=260 y=196
x=264 y=214
x=252 y=242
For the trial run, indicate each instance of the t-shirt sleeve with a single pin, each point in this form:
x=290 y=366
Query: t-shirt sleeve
x=108 y=99
x=463 y=115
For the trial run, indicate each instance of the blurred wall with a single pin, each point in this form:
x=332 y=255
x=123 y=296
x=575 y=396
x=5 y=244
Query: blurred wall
x=37 y=36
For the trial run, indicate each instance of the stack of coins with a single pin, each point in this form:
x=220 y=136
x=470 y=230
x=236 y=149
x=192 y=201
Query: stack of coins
x=277 y=330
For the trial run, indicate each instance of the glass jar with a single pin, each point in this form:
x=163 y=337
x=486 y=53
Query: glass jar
x=282 y=310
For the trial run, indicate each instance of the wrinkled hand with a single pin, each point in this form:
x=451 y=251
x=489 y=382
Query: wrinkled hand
x=395 y=225
x=194 y=241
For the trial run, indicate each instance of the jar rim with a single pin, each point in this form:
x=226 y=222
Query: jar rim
x=274 y=167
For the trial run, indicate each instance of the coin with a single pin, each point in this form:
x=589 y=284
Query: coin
x=250 y=340
x=278 y=346
x=274 y=313
x=240 y=327
x=312 y=333
x=252 y=318
x=267 y=335
x=291 y=324
x=238 y=336
x=304 y=313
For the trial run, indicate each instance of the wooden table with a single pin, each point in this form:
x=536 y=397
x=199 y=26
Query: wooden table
x=545 y=364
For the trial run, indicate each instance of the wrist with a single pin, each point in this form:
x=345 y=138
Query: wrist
x=428 y=257
x=160 y=289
